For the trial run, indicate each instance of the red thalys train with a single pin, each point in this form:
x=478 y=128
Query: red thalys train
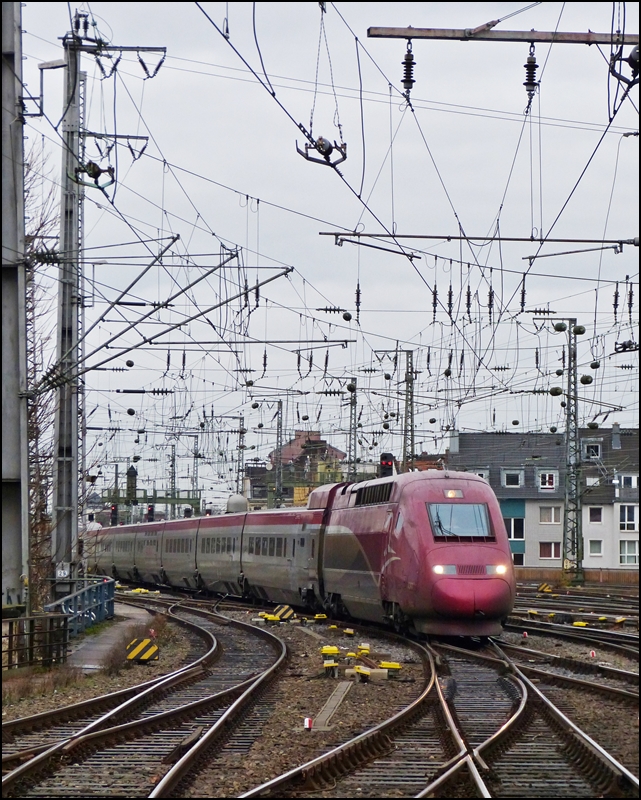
x=426 y=550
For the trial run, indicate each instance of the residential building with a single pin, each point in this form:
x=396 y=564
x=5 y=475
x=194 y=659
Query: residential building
x=527 y=473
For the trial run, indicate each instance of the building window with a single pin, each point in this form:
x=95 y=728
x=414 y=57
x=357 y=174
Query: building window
x=548 y=481
x=596 y=514
x=482 y=473
x=517 y=559
x=596 y=547
x=629 y=481
x=550 y=515
x=629 y=552
x=592 y=449
x=514 y=527
x=512 y=478
x=549 y=549
x=592 y=480
x=628 y=518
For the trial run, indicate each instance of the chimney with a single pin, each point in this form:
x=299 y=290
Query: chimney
x=616 y=436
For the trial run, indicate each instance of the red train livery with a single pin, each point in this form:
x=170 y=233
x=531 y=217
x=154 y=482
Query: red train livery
x=423 y=550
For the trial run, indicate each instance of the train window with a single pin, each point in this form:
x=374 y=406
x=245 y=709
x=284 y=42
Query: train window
x=370 y=495
x=233 y=545
x=191 y=545
x=258 y=545
x=302 y=541
x=272 y=545
x=279 y=547
x=250 y=545
x=264 y=548
x=464 y=520
x=313 y=547
x=217 y=544
x=293 y=547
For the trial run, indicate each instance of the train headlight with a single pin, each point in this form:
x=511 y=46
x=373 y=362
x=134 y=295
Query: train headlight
x=496 y=569
x=444 y=569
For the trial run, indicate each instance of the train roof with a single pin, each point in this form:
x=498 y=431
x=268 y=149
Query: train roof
x=320 y=496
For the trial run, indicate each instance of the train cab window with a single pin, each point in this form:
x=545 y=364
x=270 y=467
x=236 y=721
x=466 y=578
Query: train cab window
x=459 y=520
x=264 y=547
x=272 y=545
x=279 y=547
x=399 y=523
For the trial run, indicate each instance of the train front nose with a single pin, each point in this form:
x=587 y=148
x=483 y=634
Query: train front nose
x=469 y=599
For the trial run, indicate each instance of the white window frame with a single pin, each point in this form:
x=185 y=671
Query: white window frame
x=555 y=515
x=554 y=475
x=588 y=443
x=553 y=557
x=600 y=543
x=505 y=472
x=510 y=529
x=634 y=481
x=629 y=524
x=624 y=544
x=592 y=480
x=592 y=521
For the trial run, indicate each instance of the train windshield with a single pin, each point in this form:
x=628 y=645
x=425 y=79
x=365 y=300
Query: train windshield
x=459 y=520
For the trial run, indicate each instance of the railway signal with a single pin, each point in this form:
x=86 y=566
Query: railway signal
x=386 y=467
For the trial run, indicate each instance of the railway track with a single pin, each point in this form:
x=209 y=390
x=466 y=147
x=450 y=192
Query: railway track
x=129 y=759
x=625 y=644
x=481 y=728
x=26 y=737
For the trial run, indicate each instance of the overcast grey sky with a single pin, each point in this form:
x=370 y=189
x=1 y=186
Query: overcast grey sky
x=221 y=168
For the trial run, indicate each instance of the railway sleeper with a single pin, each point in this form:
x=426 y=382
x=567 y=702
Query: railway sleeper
x=606 y=778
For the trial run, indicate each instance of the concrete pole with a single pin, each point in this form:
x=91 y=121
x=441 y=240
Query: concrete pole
x=65 y=466
x=15 y=463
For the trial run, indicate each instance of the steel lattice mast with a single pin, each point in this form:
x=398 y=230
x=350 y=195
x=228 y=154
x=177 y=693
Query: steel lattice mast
x=572 y=523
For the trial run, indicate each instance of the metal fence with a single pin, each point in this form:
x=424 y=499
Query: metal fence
x=40 y=640
x=91 y=604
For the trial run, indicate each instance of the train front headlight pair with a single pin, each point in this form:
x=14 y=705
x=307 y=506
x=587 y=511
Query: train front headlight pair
x=496 y=569
x=444 y=569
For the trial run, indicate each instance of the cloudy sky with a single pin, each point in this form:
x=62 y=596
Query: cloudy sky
x=224 y=117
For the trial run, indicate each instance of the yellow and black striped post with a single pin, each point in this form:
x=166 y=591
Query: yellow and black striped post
x=142 y=650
